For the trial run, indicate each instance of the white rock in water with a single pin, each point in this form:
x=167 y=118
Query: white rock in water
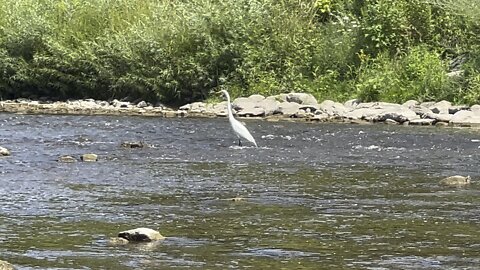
x=89 y=157
x=456 y=180
x=141 y=235
x=4 y=151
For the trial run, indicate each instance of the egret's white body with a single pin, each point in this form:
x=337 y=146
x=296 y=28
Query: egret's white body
x=240 y=130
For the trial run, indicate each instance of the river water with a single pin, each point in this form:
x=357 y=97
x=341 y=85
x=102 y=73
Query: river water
x=316 y=196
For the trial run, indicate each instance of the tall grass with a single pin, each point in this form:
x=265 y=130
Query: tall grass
x=181 y=51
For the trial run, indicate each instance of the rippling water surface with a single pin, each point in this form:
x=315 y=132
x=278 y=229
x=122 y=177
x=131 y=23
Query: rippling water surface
x=317 y=196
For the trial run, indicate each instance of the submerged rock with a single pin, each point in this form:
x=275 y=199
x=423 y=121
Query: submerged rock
x=89 y=157
x=4 y=151
x=456 y=180
x=117 y=241
x=141 y=235
x=67 y=159
x=237 y=199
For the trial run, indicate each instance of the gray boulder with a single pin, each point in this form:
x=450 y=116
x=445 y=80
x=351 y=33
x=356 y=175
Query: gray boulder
x=120 y=104
x=141 y=235
x=475 y=108
x=256 y=105
x=411 y=103
x=442 y=117
x=302 y=98
x=420 y=110
x=251 y=112
x=288 y=108
x=441 y=107
x=456 y=108
x=466 y=118
x=381 y=111
x=332 y=108
x=270 y=105
x=352 y=103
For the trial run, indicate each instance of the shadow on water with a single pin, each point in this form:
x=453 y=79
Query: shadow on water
x=314 y=196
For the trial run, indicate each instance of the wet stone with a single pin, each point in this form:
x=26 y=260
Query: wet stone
x=133 y=144
x=456 y=180
x=89 y=157
x=117 y=241
x=4 y=151
x=66 y=159
x=141 y=235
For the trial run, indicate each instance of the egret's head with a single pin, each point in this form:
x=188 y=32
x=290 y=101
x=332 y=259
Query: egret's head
x=223 y=92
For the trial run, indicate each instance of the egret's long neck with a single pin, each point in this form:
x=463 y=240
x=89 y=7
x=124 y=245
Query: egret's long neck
x=229 y=106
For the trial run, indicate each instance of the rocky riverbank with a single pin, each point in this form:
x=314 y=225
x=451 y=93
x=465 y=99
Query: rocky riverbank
x=293 y=106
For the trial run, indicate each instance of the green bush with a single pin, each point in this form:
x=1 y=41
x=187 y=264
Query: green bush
x=420 y=74
x=182 y=51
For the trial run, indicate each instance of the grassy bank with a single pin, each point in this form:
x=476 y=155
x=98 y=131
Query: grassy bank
x=180 y=51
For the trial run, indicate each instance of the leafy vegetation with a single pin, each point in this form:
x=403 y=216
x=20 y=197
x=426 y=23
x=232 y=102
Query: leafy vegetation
x=182 y=51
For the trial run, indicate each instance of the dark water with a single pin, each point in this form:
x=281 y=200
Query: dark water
x=318 y=196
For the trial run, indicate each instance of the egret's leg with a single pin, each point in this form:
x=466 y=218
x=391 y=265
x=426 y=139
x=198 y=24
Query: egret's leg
x=239 y=142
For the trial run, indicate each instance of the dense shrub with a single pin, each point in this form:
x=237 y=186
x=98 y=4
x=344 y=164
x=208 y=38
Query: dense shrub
x=419 y=74
x=181 y=51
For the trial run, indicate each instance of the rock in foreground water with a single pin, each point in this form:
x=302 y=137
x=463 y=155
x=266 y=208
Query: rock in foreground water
x=141 y=235
x=4 y=151
x=456 y=180
x=6 y=266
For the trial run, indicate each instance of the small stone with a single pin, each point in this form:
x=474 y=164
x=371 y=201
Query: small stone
x=4 y=151
x=391 y=122
x=441 y=124
x=89 y=157
x=141 y=235
x=422 y=122
x=67 y=159
x=456 y=180
x=133 y=144
x=142 y=104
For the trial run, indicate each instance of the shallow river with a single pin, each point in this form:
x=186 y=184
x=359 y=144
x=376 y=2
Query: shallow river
x=317 y=196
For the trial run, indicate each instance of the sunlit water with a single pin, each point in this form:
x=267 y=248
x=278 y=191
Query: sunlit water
x=317 y=196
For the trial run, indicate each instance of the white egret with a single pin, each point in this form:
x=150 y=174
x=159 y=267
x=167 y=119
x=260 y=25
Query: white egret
x=240 y=130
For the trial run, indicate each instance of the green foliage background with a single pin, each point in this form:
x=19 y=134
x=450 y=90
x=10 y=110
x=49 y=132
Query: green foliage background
x=181 y=51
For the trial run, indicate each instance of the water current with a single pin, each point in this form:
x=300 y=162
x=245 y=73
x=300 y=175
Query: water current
x=315 y=195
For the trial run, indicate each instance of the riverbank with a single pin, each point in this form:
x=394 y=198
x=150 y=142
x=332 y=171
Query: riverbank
x=291 y=107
